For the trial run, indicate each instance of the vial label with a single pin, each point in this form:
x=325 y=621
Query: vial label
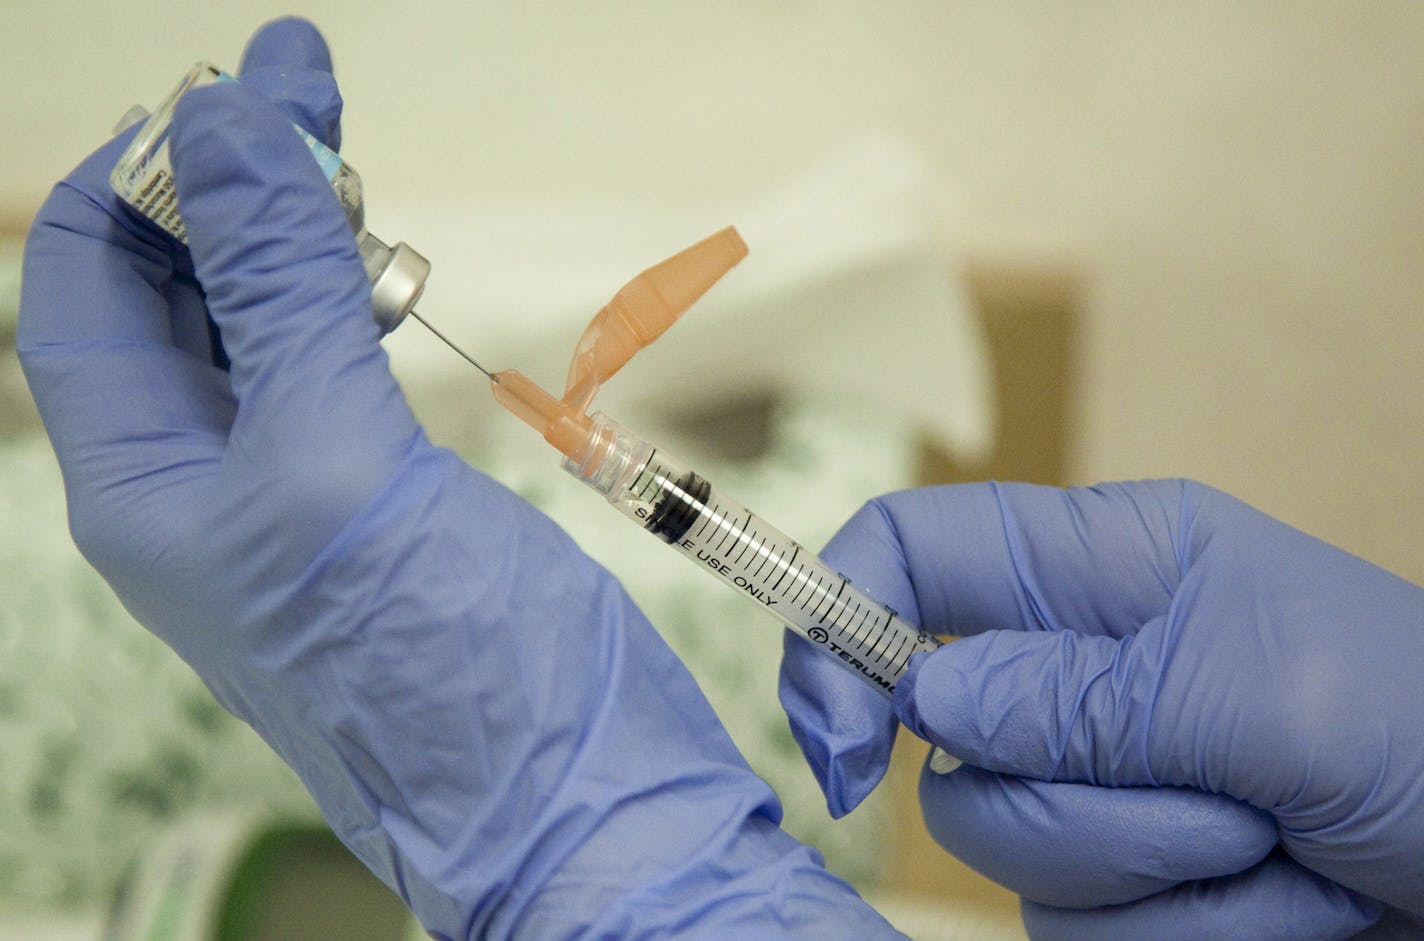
x=157 y=198
x=143 y=177
x=326 y=158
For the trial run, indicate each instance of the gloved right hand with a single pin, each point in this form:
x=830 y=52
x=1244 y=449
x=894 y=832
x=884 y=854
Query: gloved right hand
x=1180 y=717
x=480 y=711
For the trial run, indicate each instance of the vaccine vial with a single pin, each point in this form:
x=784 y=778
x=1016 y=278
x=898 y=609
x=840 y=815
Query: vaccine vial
x=143 y=178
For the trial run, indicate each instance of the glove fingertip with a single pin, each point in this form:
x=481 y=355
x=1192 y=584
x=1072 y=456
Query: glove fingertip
x=925 y=709
x=309 y=98
x=287 y=41
x=289 y=63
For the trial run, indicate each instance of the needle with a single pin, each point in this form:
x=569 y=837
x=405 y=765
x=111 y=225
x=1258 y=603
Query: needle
x=468 y=358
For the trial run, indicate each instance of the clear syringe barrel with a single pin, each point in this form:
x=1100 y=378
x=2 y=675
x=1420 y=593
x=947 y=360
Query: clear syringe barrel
x=723 y=537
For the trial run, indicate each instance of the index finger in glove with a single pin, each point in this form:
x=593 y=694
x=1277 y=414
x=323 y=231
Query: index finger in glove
x=288 y=61
x=284 y=283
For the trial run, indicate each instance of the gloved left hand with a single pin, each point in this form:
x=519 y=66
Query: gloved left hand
x=481 y=713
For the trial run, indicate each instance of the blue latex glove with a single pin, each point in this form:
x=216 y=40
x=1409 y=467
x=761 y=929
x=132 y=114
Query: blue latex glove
x=1228 y=709
x=482 y=714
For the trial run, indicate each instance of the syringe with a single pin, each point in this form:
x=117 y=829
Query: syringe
x=723 y=537
x=666 y=497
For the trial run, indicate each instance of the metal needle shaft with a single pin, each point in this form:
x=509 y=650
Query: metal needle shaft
x=448 y=342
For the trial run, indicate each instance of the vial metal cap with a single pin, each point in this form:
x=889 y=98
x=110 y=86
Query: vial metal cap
x=396 y=285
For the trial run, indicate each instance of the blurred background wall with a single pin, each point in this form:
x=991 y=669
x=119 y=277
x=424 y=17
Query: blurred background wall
x=1241 y=185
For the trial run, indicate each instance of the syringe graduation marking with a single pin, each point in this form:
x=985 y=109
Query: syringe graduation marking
x=765 y=558
x=840 y=591
x=830 y=603
x=729 y=529
x=863 y=612
x=805 y=583
x=883 y=628
x=653 y=477
x=786 y=569
x=903 y=641
x=747 y=542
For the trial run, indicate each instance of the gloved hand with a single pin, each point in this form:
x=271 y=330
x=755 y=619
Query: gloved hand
x=1226 y=708
x=481 y=713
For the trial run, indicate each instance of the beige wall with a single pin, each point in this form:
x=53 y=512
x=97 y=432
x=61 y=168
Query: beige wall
x=1243 y=184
